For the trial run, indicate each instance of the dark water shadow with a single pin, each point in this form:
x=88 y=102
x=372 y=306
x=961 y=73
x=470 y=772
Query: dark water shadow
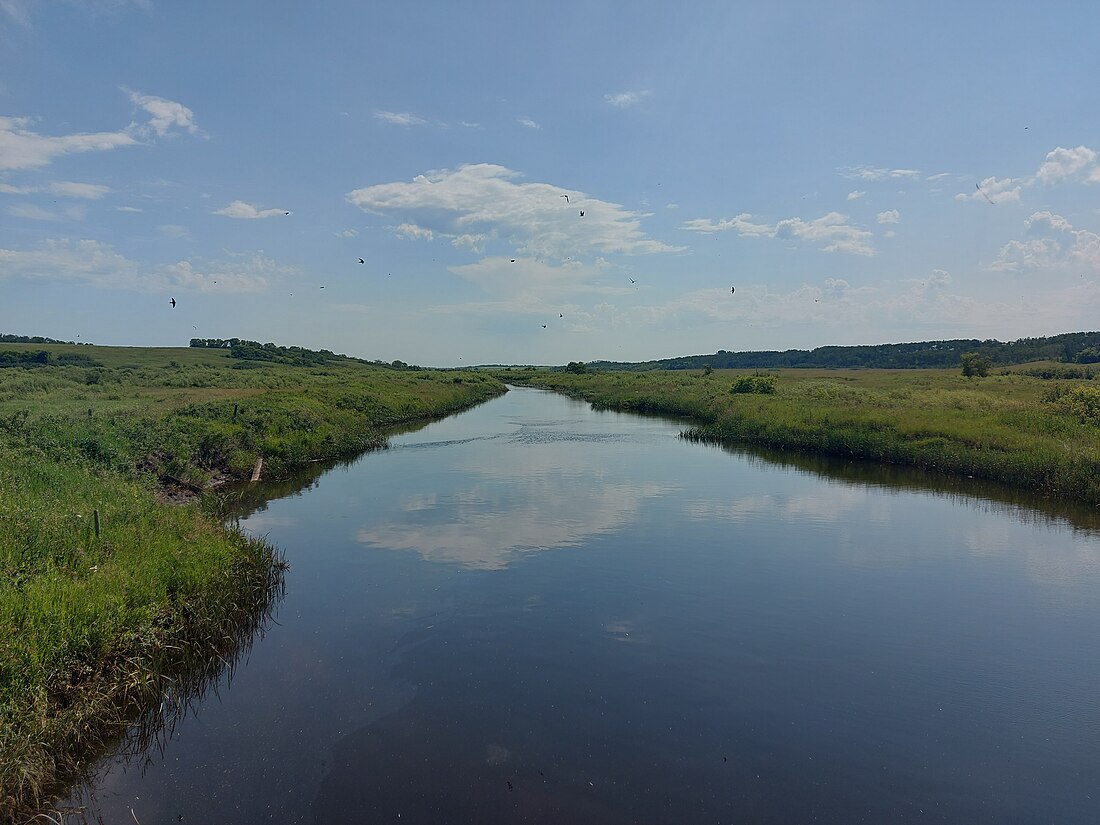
x=177 y=690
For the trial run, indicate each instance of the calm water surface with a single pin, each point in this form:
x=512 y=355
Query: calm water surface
x=534 y=612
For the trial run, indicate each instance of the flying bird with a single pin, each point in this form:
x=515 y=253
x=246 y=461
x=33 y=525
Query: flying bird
x=173 y=303
x=362 y=261
x=560 y=315
x=286 y=213
x=566 y=198
x=633 y=281
x=544 y=326
x=322 y=287
x=984 y=195
x=582 y=213
x=733 y=289
x=513 y=260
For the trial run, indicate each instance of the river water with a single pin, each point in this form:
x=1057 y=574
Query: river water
x=536 y=612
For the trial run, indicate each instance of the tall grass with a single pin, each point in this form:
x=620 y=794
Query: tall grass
x=1010 y=428
x=97 y=630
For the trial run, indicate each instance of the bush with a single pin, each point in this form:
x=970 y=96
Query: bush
x=760 y=384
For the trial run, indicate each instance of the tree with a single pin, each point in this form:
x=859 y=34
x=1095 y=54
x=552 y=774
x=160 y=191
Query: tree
x=578 y=367
x=974 y=363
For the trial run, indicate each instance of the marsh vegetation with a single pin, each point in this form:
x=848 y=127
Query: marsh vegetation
x=111 y=600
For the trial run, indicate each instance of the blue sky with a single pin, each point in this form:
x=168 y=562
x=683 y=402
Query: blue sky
x=860 y=172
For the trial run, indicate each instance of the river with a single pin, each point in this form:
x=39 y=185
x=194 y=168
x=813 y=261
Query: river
x=537 y=612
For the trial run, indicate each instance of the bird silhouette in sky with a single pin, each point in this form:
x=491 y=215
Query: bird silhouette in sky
x=566 y=198
x=733 y=289
x=544 y=326
x=582 y=213
x=513 y=260
x=173 y=303
x=362 y=261
x=560 y=315
x=984 y=195
x=322 y=287
x=633 y=281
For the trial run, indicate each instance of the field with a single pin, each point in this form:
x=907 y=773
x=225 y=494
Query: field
x=1034 y=434
x=110 y=599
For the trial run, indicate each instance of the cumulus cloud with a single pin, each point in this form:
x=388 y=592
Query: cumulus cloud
x=994 y=190
x=533 y=218
x=1052 y=242
x=832 y=228
x=1062 y=164
x=164 y=113
x=98 y=264
x=527 y=122
x=399 y=118
x=889 y=216
x=240 y=209
x=855 y=195
x=623 y=100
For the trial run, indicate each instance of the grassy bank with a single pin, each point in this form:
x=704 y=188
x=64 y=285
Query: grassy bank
x=96 y=628
x=1039 y=435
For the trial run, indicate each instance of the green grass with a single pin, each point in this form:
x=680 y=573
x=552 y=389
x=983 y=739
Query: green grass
x=95 y=630
x=1008 y=428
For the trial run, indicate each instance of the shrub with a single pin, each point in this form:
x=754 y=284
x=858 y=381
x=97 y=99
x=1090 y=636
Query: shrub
x=760 y=384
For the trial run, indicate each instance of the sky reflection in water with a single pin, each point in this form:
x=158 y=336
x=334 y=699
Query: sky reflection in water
x=536 y=612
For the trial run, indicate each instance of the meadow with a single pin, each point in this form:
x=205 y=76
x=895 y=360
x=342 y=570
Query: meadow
x=1013 y=428
x=113 y=599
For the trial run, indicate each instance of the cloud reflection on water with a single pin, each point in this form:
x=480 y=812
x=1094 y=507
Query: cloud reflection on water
x=537 y=495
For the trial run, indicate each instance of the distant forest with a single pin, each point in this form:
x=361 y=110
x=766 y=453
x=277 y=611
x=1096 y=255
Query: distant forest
x=297 y=356
x=1070 y=347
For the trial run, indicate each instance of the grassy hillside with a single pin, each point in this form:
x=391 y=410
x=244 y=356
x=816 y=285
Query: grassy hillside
x=96 y=627
x=1035 y=434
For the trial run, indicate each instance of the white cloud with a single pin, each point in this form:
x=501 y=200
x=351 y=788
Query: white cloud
x=739 y=224
x=71 y=189
x=855 y=195
x=68 y=189
x=832 y=228
x=474 y=242
x=32 y=212
x=938 y=177
x=623 y=100
x=469 y=125
x=1061 y=164
x=1054 y=243
x=240 y=209
x=347 y=233
x=877 y=173
x=889 y=216
x=164 y=114
x=526 y=121
x=414 y=232
x=994 y=190
x=98 y=264
x=128 y=209
x=399 y=118
x=20 y=148
x=672 y=206
x=533 y=218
